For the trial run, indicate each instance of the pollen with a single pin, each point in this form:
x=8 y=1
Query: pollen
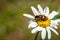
x=43 y=21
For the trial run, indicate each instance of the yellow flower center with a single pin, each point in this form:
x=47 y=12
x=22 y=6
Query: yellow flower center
x=42 y=21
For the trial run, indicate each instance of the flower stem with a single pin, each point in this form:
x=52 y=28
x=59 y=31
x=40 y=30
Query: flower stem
x=36 y=36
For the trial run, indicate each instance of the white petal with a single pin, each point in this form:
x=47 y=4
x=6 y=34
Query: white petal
x=53 y=25
x=29 y=16
x=40 y=9
x=52 y=14
x=46 y=11
x=56 y=27
x=36 y=30
x=54 y=30
x=31 y=21
x=32 y=25
x=55 y=21
x=34 y=11
x=40 y=28
x=49 y=33
x=43 y=33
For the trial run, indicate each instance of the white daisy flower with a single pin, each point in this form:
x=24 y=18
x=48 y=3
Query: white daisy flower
x=42 y=21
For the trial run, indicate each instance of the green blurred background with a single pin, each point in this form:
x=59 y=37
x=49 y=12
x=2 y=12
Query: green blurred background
x=14 y=26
